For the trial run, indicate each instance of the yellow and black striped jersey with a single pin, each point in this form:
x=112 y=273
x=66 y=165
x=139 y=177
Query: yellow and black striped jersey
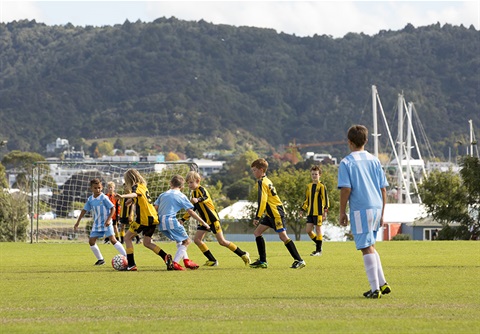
x=268 y=201
x=125 y=211
x=316 y=199
x=144 y=209
x=205 y=207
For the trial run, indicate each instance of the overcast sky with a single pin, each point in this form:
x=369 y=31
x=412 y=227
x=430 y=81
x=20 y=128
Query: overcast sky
x=302 y=18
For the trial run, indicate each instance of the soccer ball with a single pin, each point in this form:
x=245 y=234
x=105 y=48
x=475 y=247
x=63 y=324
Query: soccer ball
x=119 y=262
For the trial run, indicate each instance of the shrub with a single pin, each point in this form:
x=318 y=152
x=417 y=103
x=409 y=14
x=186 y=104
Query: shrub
x=401 y=237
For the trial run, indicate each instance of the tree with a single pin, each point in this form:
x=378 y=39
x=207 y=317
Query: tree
x=172 y=156
x=23 y=163
x=13 y=216
x=470 y=173
x=3 y=177
x=105 y=148
x=445 y=197
x=119 y=145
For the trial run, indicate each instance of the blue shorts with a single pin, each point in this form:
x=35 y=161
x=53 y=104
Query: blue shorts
x=177 y=234
x=365 y=240
x=103 y=234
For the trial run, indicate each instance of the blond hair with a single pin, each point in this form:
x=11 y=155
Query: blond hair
x=193 y=176
x=132 y=177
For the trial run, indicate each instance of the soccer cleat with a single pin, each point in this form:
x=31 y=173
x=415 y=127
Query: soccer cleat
x=176 y=266
x=259 y=264
x=190 y=264
x=99 y=263
x=132 y=268
x=246 y=258
x=211 y=263
x=385 y=289
x=298 y=264
x=377 y=294
x=316 y=253
x=169 y=262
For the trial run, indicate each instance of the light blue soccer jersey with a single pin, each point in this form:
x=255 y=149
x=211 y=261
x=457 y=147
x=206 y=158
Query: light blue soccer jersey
x=363 y=174
x=100 y=209
x=169 y=203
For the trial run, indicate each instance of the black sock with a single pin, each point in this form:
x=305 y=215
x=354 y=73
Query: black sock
x=262 y=252
x=239 y=252
x=293 y=250
x=209 y=256
x=319 y=245
x=162 y=254
x=131 y=261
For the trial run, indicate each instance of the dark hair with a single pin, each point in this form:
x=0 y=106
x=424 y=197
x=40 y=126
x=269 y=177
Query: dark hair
x=260 y=164
x=177 y=181
x=358 y=135
x=316 y=167
x=95 y=181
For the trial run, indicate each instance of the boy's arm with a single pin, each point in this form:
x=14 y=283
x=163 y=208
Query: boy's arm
x=108 y=221
x=384 y=200
x=197 y=217
x=344 y=196
x=80 y=216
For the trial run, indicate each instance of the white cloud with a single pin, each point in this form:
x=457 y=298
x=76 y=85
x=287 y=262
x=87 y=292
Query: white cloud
x=18 y=10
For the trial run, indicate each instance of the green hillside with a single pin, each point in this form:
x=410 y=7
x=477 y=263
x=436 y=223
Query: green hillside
x=179 y=78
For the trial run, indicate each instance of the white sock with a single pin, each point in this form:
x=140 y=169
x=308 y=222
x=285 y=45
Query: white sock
x=181 y=253
x=381 y=276
x=370 y=262
x=119 y=247
x=96 y=252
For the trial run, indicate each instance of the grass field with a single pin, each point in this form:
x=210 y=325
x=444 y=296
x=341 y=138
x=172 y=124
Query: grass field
x=54 y=288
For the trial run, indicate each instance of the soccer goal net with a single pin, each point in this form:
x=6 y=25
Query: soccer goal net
x=60 y=189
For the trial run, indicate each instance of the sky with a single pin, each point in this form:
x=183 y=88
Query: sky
x=301 y=18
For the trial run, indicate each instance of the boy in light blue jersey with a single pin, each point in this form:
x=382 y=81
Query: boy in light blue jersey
x=102 y=210
x=362 y=184
x=168 y=204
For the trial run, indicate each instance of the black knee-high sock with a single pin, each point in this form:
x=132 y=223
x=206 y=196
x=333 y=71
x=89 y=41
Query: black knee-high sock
x=293 y=250
x=319 y=245
x=262 y=253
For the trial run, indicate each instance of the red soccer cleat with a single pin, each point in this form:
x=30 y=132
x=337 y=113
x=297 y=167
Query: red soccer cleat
x=176 y=266
x=190 y=264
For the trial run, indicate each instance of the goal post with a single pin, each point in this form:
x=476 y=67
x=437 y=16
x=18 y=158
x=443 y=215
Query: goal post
x=60 y=189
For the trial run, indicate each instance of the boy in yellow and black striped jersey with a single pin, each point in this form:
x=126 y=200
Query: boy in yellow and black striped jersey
x=203 y=205
x=316 y=205
x=270 y=214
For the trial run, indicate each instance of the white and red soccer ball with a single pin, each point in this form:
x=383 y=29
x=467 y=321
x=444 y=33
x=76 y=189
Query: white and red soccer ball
x=119 y=262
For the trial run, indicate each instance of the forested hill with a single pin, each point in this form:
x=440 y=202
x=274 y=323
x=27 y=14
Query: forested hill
x=173 y=77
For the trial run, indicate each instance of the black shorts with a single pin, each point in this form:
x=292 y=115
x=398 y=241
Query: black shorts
x=278 y=226
x=147 y=231
x=315 y=220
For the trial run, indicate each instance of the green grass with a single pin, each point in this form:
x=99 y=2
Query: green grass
x=54 y=288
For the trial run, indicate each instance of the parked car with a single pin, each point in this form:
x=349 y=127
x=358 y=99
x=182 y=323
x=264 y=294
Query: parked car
x=74 y=213
x=47 y=215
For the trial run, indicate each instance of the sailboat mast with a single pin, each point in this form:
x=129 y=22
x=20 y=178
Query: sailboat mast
x=400 y=179
x=375 y=125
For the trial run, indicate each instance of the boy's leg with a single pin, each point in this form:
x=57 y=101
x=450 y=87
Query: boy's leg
x=371 y=267
x=96 y=251
x=384 y=286
x=198 y=240
x=129 y=249
x=319 y=238
x=260 y=241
